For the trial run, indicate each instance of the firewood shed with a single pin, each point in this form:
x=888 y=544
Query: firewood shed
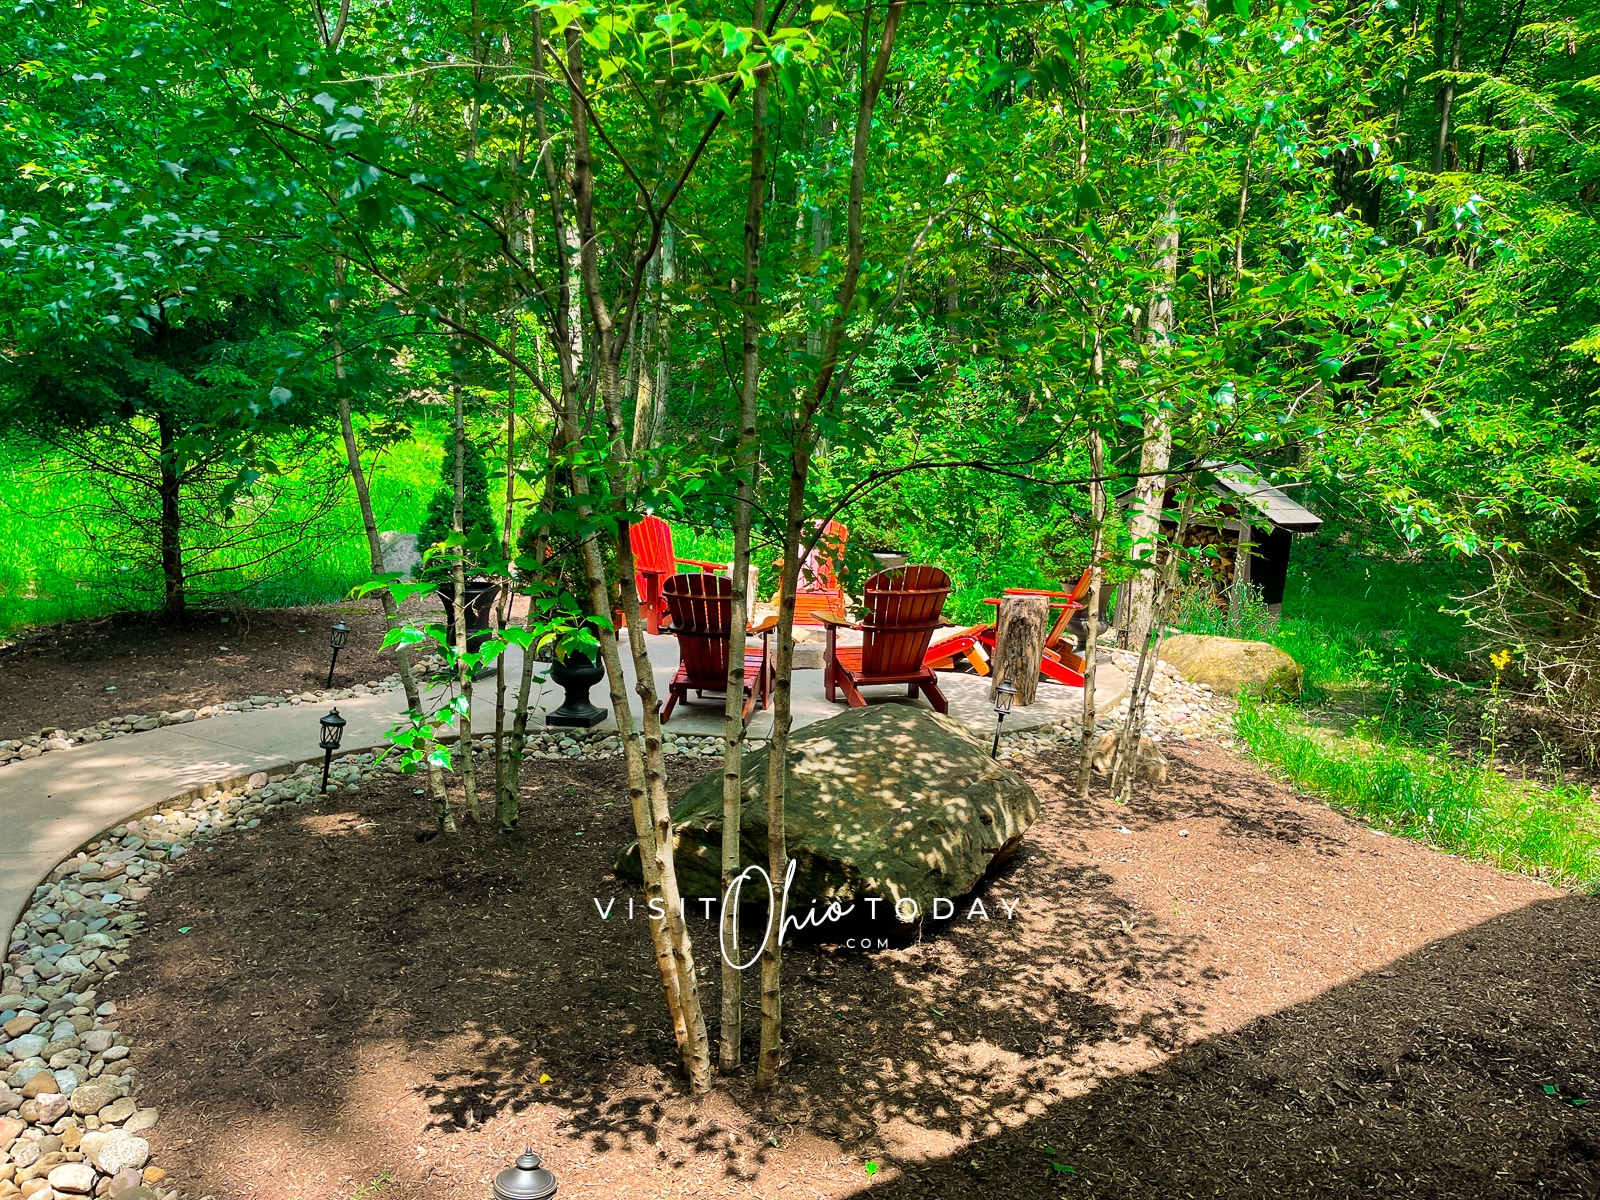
x=1253 y=531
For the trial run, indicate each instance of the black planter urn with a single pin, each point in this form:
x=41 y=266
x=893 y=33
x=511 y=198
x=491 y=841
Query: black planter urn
x=576 y=676
x=481 y=595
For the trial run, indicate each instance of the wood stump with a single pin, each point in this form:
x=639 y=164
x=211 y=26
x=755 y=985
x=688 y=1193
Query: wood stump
x=1019 y=644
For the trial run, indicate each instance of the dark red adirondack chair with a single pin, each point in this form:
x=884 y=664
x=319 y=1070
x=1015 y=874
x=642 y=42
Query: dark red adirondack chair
x=655 y=561
x=819 y=592
x=903 y=606
x=700 y=614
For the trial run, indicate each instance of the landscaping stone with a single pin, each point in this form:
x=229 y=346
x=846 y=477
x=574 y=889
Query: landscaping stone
x=74 y=1178
x=1229 y=664
x=118 y=1111
x=124 y=1182
x=145 y=1118
x=115 y=1150
x=91 y=1097
x=887 y=801
x=39 y=1084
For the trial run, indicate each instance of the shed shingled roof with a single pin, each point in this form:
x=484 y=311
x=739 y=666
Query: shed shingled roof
x=1271 y=504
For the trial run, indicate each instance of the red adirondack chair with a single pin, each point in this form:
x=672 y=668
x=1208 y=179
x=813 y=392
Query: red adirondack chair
x=655 y=561
x=976 y=642
x=903 y=606
x=819 y=592
x=700 y=614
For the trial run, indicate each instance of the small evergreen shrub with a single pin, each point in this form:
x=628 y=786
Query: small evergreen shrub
x=477 y=518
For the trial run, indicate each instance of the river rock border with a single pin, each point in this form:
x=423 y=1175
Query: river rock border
x=69 y=1080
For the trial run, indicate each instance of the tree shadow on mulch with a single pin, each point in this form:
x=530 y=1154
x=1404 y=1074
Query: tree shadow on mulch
x=360 y=1000
x=1464 y=1069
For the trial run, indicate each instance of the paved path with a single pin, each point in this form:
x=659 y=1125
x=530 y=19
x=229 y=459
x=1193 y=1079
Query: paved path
x=53 y=804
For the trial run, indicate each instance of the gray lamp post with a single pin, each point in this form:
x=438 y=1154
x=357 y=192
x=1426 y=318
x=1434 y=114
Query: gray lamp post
x=525 y=1181
x=338 y=636
x=332 y=734
x=1004 y=694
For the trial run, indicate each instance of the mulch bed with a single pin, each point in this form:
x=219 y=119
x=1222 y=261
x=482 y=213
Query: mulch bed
x=1218 y=990
x=61 y=674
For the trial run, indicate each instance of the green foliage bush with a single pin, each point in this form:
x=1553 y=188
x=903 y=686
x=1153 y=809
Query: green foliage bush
x=477 y=518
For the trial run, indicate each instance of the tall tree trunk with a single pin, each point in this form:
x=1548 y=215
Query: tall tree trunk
x=662 y=389
x=171 y=527
x=646 y=762
x=505 y=789
x=643 y=379
x=1447 y=95
x=469 y=778
x=1144 y=523
x=745 y=468
x=369 y=524
x=1149 y=655
x=1091 y=645
x=794 y=520
x=519 y=724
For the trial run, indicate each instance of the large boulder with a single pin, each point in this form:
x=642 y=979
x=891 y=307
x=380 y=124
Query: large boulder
x=1229 y=664
x=889 y=801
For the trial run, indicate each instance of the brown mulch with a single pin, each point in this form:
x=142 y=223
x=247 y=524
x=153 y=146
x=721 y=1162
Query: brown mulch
x=59 y=676
x=1243 y=995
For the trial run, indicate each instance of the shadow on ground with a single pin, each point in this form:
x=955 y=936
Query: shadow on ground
x=350 y=1000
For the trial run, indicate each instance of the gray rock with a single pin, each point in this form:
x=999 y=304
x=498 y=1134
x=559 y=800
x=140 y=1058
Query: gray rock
x=400 y=551
x=118 y=1111
x=116 y=1150
x=145 y=1118
x=99 y=1041
x=26 y=1046
x=124 y=1182
x=887 y=801
x=25 y=1153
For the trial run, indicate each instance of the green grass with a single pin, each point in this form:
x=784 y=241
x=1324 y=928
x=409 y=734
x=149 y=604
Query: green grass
x=1549 y=832
x=1387 y=728
x=48 y=575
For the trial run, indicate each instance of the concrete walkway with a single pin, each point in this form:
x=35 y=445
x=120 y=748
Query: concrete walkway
x=52 y=805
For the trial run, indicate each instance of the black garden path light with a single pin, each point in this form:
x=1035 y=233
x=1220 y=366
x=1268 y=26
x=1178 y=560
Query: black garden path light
x=332 y=735
x=1004 y=694
x=525 y=1181
x=338 y=637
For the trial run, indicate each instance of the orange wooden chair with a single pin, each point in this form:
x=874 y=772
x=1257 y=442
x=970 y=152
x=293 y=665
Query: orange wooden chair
x=819 y=593
x=976 y=642
x=655 y=561
x=700 y=615
x=903 y=606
